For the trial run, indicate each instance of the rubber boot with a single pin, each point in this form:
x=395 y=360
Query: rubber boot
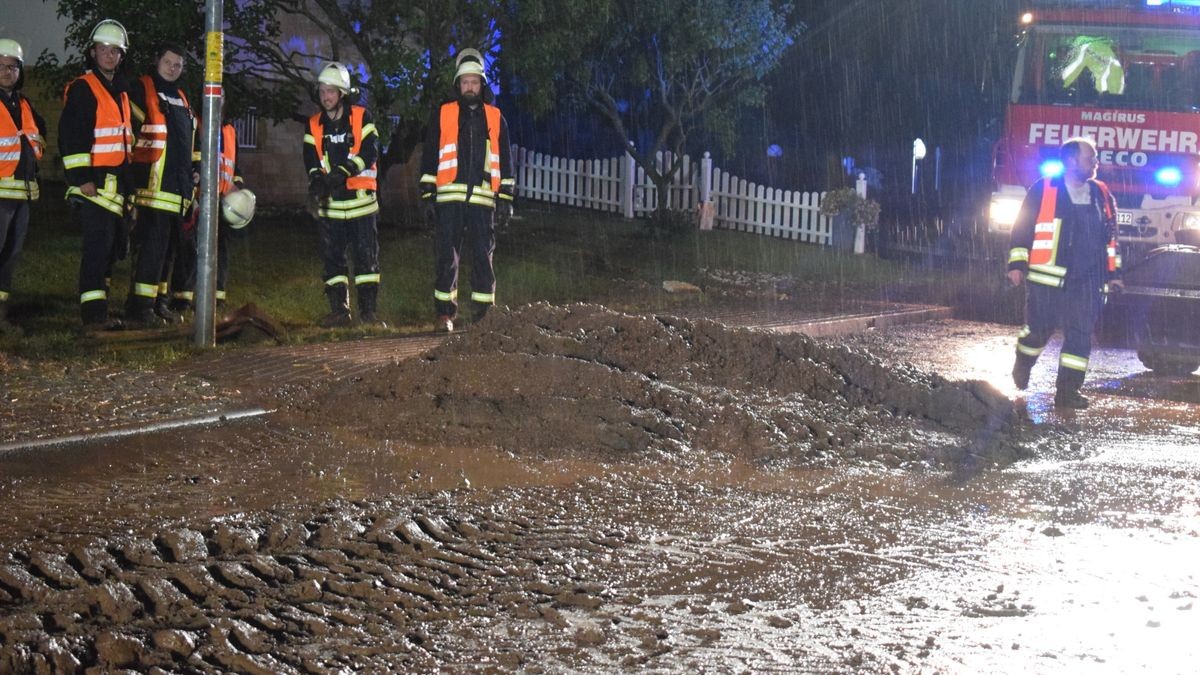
x=163 y=310
x=1067 y=389
x=368 y=297
x=1021 y=369
x=139 y=313
x=339 y=307
x=479 y=310
x=94 y=314
x=179 y=303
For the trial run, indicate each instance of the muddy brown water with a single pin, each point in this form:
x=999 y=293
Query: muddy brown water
x=572 y=490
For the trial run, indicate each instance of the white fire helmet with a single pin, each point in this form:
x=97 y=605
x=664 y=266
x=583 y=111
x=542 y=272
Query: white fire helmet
x=336 y=75
x=110 y=32
x=237 y=208
x=12 y=49
x=469 y=62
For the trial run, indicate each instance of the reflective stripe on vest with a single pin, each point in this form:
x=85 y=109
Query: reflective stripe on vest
x=228 y=158
x=447 y=189
x=10 y=146
x=1044 y=251
x=364 y=180
x=1047 y=228
x=112 y=137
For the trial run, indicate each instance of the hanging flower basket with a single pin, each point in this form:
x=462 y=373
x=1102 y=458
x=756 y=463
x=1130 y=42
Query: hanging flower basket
x=846 y=202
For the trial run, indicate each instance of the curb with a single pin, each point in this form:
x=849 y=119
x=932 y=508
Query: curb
x=845 y=325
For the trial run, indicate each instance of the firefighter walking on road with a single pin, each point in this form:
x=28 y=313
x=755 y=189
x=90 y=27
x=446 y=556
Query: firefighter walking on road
x=1064 y=243
x=22 y=141
x=467 y=188
x=341 y=148
x=95 y=139
x=165 y=172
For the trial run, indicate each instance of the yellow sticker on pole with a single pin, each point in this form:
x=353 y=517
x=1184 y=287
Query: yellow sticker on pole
x=214 y=63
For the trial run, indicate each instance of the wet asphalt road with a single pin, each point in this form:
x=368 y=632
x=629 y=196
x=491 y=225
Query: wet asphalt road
x=312 y=551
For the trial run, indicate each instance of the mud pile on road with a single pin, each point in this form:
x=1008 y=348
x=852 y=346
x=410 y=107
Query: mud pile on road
x=583 y=380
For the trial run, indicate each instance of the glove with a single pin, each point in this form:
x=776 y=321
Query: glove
x=504 y=210
x=318 y=187
x=336 y=180
x=429 y=211
x=188 y=226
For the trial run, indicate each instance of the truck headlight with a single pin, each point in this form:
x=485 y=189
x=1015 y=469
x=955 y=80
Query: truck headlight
x=1186 y=220
x=1004 y=210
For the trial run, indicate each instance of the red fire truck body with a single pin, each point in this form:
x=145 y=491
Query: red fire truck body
x=1125 y=73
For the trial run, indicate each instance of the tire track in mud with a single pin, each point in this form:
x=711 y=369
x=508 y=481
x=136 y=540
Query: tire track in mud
x=353 y=586
x=606 y=575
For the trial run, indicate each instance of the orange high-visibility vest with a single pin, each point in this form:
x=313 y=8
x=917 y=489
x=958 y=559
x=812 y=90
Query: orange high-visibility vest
x=1047 y=228
x=1109 y=217
x=448 y=145
x=228 y=158
x=152 y=137
x=366 y=179
x=113 y=137
x=10 y=138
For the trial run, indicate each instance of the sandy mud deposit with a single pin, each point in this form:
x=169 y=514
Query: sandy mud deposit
x=583 y=380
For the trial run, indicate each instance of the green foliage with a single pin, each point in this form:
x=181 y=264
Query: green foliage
x=860 y=210
x=652 y=70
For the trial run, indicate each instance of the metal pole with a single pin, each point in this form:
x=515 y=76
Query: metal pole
x=206 y=221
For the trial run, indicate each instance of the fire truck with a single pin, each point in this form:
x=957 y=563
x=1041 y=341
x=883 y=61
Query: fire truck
x=1125 y=73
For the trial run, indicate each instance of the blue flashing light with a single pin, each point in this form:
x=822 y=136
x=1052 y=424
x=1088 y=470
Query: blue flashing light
x=1051 y=168
x=1169 y=176
x=773 y=150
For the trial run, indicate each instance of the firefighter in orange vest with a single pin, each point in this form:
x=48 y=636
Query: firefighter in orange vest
x=182 y=280
x=467 y=188
x=1064 y=244
x=22 y=141
x=95 y=139
x=165 y=172
x=341 y=148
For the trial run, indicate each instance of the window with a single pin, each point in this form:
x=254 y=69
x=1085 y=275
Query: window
x=1111 y=67
x=247 y=129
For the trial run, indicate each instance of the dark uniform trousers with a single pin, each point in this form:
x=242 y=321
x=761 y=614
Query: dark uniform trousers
x=103 y=244
x=14 y=224
x=183 y=272
x=1075 y=308
x=458 y=221
x=153 y=237
x=360 y=236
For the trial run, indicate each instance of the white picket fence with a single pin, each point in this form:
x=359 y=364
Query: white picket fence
x=619 y=185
